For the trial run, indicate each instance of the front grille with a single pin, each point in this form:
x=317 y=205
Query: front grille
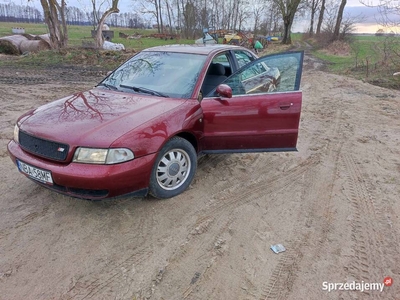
x=44 y=148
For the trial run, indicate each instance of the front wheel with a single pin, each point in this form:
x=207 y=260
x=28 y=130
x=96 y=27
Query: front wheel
x=174 y=169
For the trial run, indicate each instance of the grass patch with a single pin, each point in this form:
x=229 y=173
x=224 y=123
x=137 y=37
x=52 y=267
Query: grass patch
x=370 y=58
x=335 y=63
x=32 y=28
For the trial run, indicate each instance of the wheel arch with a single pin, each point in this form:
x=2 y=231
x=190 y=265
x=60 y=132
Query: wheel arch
x=190 y=138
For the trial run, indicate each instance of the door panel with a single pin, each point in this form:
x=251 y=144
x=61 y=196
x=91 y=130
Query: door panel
x=264 y=112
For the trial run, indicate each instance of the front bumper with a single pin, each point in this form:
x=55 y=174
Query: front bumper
x=91 y=181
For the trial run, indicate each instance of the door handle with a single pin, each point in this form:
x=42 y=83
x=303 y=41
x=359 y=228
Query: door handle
x=285 y=106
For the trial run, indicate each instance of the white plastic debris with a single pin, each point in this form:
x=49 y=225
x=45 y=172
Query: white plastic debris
x=207 y=39
x=278 y=248
x=113 y=46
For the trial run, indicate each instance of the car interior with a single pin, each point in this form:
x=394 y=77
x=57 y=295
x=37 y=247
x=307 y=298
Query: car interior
x=215 y=75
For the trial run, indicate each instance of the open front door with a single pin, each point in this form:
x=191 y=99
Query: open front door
x=264 y=111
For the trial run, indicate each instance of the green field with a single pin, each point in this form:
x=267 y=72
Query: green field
x=369 y=57
x=78 y=34
x=361 y=49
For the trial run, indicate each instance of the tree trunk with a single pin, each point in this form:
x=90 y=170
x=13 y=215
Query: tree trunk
x=64 y=32
x=160 y=15
x=287 y=27
x=95 y=17
x=58 y=32
x=311 y=32
x=288 y=10
x=313 y=8
x=169 y=16
x=236 y=13
x=321 y=17
x=339 y=21
x=99 y=33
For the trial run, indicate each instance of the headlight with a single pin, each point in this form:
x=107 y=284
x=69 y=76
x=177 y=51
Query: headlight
x=16 y=133
x=90 y=156
x=118 y=155
x=102 y=156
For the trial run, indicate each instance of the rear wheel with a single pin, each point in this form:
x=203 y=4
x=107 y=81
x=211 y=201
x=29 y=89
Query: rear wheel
x=174 y=168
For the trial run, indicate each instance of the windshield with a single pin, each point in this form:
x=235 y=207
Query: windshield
x=165 y=73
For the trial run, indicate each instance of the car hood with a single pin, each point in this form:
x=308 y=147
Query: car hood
x=94 y=118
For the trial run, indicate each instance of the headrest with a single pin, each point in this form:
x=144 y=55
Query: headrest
x=216 y=69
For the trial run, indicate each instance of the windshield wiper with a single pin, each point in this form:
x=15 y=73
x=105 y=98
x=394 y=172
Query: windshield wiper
x=109 y=86
x=144 y=90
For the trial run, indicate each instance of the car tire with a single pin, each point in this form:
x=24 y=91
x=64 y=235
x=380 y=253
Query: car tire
x=174 y=169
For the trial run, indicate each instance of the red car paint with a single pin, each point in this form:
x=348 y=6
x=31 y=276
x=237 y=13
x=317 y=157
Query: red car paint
x=143 y=123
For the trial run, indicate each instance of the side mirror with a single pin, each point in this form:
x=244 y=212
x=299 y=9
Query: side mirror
x=224 y=91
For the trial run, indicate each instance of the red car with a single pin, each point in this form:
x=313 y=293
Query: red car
x=142 y=128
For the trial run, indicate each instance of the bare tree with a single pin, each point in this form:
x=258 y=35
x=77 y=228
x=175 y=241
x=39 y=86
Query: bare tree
x=169 y=11
x=336 y=32
x=258 y=9
x=313 y=5
x=153 y=8
x=95 y=14
x=160 y=22
x=243 y=15
x=57 y=29
x=321 y=17
x=272 y=20
x=189 y=19
x=349 y=24
x=288 y=9
x=99 y=33
x=11 y=12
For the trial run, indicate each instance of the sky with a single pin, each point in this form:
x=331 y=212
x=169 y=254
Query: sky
x=353 y=8
x=370 y=19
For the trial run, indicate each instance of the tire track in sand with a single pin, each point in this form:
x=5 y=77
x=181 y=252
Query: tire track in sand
x=214 y=223
x=105 y=281
x=318 y=183
x=374 y=241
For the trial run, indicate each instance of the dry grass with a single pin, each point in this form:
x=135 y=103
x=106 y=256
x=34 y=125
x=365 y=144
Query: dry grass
x=339 y=48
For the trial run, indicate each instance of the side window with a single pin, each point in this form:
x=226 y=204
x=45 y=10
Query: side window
x=218 y=71
x=275 y=73
x=253 y=71
x=223 y=60
x=243 y=58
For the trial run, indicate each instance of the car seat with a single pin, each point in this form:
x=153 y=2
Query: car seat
x=215 y=75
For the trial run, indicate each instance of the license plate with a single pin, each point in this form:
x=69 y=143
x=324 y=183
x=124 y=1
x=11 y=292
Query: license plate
x=35 y=173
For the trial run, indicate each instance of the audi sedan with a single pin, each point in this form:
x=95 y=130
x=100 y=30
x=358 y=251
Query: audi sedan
x=141 y=129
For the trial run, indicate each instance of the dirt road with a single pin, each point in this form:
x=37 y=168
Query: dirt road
x=334 y=205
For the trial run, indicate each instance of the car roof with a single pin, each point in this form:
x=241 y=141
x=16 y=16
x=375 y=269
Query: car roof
x=195 y=48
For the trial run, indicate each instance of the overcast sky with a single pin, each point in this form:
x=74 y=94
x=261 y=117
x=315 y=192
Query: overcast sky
x=125 y=5
x=353 y=8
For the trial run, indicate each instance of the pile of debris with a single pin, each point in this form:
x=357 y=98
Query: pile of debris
x=23 y=43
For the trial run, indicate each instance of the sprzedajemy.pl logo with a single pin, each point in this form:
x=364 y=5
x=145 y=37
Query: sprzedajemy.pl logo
x=356 y=286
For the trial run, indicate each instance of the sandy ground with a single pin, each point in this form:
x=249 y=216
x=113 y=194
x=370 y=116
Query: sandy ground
x=334 y=205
